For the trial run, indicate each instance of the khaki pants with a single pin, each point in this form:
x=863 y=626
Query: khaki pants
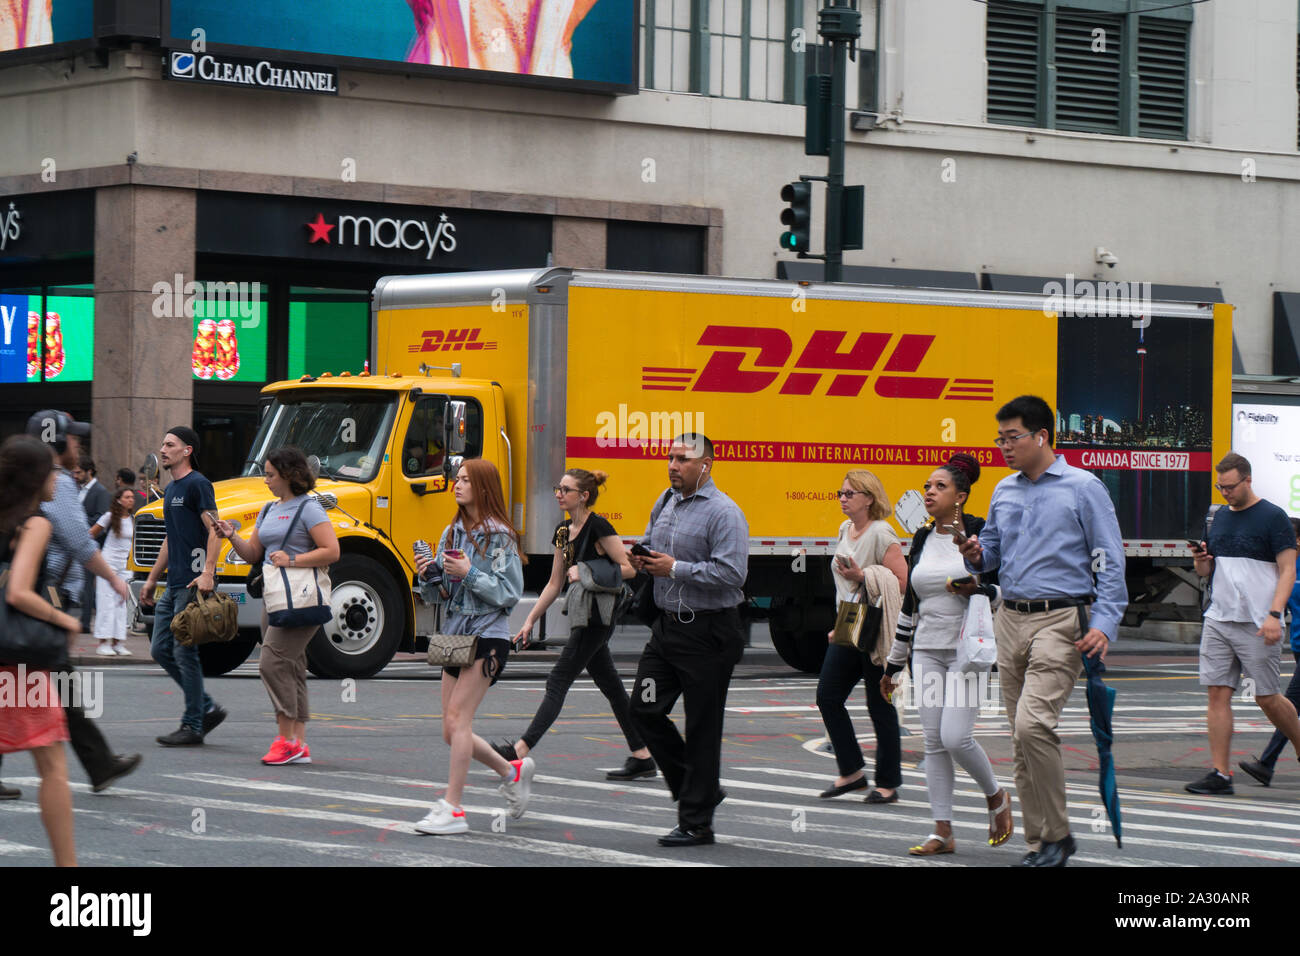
x=1038 y=665
x=283 y=668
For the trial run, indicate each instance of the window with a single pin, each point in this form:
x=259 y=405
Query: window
x=1060 y=67
x=423 y=448
x=743 y=49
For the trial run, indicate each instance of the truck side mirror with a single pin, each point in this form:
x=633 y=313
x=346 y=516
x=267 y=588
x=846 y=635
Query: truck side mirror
x=454 y=437
x=150 y=467
x=313 y=465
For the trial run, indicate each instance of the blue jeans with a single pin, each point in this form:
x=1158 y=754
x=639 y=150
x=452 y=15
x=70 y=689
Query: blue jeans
x=180 y=662
x=1278 y=741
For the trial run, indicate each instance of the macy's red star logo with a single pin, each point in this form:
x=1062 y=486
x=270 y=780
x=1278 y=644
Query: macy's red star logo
x=320 y=229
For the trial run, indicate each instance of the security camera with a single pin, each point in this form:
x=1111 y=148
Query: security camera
x=1105 y=255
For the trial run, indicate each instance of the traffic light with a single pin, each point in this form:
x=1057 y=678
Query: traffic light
x=797 y=216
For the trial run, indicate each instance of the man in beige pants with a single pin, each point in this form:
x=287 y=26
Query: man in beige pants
x=1053 y=536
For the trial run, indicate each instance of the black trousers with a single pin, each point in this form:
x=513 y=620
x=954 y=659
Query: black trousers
x=1277 y=743
x=88 y=743
x=841 y=671
x=587 y=647
x=693 y=661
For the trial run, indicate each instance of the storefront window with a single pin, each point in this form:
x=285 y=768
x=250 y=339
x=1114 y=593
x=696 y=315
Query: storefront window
x=230 y=323
x=329 y=331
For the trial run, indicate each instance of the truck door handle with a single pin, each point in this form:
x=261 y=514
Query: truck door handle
x=419 y=488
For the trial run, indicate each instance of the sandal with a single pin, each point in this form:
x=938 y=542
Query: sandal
x=997 y=836
x=945 y=846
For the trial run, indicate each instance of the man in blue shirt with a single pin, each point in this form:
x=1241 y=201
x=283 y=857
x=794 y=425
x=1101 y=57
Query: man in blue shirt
x=1262 y=769
x=189 y=557
x=1249 y=554
x=1054 y=538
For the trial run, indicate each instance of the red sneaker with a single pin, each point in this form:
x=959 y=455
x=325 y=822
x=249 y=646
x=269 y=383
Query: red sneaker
x=281 y=752
x=301 y=752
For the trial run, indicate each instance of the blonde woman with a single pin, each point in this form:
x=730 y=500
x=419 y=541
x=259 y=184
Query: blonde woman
x=865 y=539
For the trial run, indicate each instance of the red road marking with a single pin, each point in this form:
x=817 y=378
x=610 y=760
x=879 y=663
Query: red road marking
x=383 y=834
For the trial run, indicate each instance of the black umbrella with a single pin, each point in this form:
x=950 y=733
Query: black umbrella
x=1101 y=708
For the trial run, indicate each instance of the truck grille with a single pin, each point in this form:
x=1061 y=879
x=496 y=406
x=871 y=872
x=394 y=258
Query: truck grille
x=148 y=540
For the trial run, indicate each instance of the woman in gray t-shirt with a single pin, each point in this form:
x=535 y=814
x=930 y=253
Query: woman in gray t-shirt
x=291 y=532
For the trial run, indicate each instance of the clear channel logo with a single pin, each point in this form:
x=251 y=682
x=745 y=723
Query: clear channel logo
x=183 y=64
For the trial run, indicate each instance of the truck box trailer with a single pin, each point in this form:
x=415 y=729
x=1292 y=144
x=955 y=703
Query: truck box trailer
x=795 y=383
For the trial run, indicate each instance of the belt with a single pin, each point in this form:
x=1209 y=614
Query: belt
x=1039 y=607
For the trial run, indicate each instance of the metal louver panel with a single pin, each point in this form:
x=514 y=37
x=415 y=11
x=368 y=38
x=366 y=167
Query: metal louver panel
x=1088 y=75
x=148 y=540
x=1162 y=77
x=1012 y=49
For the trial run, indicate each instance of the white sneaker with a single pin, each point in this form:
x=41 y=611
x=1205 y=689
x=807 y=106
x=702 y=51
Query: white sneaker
x=105 y=650
x=517 y=792
x=121 y=651
x=443 y=818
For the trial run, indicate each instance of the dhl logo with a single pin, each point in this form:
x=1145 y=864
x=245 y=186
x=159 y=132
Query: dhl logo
x=821 y=355
x=451 y=340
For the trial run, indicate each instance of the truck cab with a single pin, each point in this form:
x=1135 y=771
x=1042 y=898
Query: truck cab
x=386 y=445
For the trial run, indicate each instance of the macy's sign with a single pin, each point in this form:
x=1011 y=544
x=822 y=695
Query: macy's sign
x=386 y=233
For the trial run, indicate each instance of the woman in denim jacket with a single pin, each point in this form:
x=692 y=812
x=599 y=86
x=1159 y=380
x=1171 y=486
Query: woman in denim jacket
x=482 y=579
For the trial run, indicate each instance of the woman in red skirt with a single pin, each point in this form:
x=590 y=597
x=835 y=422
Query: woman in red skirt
x=31 y=714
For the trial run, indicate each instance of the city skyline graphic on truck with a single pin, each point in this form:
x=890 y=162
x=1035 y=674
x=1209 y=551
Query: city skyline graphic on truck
x=820 y=357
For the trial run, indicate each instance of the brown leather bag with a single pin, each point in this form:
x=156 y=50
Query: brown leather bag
x=207 y=619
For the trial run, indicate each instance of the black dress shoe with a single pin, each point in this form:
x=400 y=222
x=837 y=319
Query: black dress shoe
x=1257 y=770
x=1055 y=854
x=505 y=750
x=635 y=768
x=696 y=836
x=9 y=793
x=120 y=768
x=834 y=791
x=213 y=718
x=181 y=737
x=1029 y=859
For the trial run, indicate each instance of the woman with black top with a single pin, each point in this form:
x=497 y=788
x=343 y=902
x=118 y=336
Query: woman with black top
x=585 y=537
x=929 y=624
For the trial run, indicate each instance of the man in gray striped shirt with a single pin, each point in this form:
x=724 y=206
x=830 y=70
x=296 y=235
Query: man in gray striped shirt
x=698 y=543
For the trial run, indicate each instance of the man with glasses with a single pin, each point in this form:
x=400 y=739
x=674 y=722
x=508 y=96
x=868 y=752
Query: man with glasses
x=1249 y=554
x=1054 y=538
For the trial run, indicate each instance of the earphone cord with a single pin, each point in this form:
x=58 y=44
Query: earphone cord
x=672 y=547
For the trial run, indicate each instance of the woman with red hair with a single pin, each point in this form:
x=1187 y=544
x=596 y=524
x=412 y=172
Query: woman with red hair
x=482 y=579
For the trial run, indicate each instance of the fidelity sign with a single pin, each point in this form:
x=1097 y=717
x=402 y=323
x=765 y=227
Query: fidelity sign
x=257 y=74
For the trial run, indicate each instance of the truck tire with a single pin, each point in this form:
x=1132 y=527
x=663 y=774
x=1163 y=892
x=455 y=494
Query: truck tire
x=797 y=636
x=367 y=625
x=218 y=659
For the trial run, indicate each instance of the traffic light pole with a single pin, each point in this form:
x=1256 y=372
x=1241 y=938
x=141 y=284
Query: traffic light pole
x=840 y=26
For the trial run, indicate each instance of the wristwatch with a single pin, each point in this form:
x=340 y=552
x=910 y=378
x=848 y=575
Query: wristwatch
x=292 y=558
x=1276 y=614
x=672 y=572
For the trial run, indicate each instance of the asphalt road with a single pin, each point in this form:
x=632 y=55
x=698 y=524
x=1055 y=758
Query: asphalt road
x=379 y=763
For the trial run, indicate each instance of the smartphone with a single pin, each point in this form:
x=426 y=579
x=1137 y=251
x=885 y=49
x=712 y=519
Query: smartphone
x=958 y=534
x=454 y=553
x=958 y=582
x=1196 y=545
x=641 y=551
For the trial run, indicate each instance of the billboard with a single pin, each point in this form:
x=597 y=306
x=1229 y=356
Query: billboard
x=40 y=25
x=571 y=44
x=1268 y=435
x=64 y=342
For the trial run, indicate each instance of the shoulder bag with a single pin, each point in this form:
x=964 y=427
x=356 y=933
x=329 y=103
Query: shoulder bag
x=642 y=603
x=29 y=640
x=295 y=597
x=451 y=650
x=253 y=583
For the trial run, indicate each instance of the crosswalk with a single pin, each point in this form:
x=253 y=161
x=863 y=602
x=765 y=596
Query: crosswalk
x=771 y=817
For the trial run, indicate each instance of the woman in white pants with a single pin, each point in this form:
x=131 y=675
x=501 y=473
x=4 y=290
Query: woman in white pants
x=929 y=625
x=110 y=610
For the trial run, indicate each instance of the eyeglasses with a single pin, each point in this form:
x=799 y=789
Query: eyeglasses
x=1005 y=442
x=1224 y=489
x=561 y=490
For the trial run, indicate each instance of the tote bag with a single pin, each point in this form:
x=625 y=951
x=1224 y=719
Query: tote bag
x=295 y=597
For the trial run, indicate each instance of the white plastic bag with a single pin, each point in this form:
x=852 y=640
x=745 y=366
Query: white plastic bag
x=977 y=649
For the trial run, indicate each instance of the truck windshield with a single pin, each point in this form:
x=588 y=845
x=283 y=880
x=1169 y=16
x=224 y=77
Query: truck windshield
x=347 y=431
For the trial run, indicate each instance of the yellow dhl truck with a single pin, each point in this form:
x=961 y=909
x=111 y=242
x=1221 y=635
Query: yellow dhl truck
x=795 y=383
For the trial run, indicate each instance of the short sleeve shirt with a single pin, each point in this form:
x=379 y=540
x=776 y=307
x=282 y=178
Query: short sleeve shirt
x=1245 y=545
x=184 y=502
x=275 y=519
x=868 y=549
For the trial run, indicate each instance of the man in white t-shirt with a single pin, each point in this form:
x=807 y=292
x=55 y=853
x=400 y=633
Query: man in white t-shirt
x=1249 y=552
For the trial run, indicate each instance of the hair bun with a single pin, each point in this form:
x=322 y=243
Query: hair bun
x=599 y=477
x=967 y=465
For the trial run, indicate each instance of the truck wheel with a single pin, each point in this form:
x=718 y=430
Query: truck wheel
x=797 y=636
x=367 y=625
x=218 y=659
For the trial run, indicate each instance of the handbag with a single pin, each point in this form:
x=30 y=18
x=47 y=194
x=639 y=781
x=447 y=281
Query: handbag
x=254 y=582
x=977 y=648
x=857 y=624
x=641 y=604
x=207 y=619
x=29 y=640
x=296 y=597
x=452 y=650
